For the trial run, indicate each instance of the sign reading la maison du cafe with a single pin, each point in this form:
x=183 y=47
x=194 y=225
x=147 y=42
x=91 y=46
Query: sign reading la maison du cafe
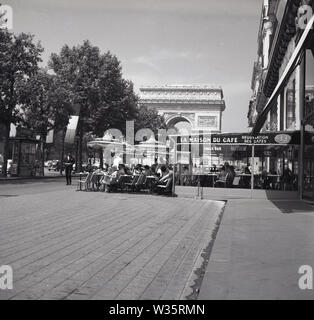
x=271 y=138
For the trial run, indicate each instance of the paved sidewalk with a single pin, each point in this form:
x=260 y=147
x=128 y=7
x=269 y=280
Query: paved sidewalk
x=259 y=248
x=64 y=244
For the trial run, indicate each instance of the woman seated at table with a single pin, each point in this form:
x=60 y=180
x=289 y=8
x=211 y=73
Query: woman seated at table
x=111 y=178
x=166 y=179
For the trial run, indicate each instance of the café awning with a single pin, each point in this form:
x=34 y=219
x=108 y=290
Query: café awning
x=293 y=62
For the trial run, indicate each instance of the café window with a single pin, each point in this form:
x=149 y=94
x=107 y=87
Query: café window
x=290 y=104
x=274 y=118
x=308 y=174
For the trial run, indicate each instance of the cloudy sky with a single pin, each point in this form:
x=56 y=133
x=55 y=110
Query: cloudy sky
x=159 y=41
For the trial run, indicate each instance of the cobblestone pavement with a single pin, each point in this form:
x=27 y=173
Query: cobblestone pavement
x=64 y=244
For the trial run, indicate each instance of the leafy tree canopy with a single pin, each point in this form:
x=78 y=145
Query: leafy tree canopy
x=106 y=99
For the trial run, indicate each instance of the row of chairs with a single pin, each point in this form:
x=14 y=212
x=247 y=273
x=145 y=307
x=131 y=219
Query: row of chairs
x=127 y=183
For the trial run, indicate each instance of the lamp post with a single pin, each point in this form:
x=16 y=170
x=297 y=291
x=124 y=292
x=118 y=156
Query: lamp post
x=174 y=165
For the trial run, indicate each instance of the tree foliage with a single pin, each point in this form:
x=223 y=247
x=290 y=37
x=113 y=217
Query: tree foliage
x=19 y=57
x=105 y=98
x=149 y=119
x=46 y=102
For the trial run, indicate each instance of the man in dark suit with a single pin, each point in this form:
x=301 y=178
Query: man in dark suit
x=69 y=161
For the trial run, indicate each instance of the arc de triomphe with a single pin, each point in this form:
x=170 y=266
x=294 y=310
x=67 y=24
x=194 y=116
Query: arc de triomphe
x=201 y=106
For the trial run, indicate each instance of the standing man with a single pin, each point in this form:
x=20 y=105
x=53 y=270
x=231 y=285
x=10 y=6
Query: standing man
x=69 y=161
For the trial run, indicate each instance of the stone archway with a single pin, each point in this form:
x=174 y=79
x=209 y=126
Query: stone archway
x=201 y=105
x=181 y=123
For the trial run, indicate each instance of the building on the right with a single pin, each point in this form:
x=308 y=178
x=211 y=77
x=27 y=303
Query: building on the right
x=283 y=85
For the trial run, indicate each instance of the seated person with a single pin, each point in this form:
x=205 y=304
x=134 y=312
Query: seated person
x=106 y=167
x=110 y=178
x=165 y=180
x=221 y=177
x=147 y=171
x=128 y=171
x=89 y=166
x=137 y=169
x=230 y=177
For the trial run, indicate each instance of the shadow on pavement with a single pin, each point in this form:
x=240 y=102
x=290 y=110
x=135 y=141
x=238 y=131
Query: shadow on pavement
x=293 y=206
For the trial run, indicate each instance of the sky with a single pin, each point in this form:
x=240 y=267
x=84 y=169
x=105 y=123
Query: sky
x=158 y=42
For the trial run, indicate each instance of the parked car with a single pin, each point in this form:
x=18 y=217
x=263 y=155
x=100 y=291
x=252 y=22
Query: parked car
x=55 y=165
x=48 y=163
x=9 y=165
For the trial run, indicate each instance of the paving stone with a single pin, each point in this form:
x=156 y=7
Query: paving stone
x=64 y=244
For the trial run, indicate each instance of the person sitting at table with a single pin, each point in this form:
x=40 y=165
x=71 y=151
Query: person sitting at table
x=106 y=167
x=153 y=169
x=159 y=170
x=147 y=171
x=89 y=167
x=166 y=179
x=221 y=178
x=230 y=177
x=110 y=178
x=121 y=169
x=137 y=169
x=128 y=171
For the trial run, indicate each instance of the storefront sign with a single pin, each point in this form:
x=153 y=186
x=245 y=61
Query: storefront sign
x=272 y=138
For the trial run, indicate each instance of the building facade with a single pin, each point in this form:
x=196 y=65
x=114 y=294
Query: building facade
x=283 y=83
x=200 y=106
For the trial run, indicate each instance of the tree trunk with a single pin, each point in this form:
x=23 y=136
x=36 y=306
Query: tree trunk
x=62 y=151
x=43 y=150
x=101 y=159
x=80 y=147
x=76 y=154
x=6 y=148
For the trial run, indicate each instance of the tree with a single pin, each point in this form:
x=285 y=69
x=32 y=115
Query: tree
x=19 y=57
x=149 y=119
x=106 y=99
x=46 y=104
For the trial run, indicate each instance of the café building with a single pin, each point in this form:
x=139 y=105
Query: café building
x=282 y=85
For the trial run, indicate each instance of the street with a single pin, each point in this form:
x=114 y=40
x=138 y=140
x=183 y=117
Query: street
x=68 y=244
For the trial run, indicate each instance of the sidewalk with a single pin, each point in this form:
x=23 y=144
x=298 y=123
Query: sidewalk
x=258 y=250
x=4 y=180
